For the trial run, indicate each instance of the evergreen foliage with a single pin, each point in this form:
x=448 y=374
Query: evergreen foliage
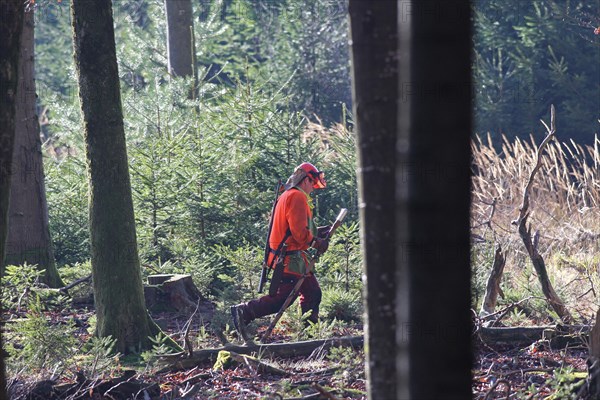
x=530 y=54
x=203 y=170
x=41 y=343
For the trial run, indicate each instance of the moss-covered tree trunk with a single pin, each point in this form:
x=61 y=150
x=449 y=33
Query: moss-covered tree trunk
x=433 y=183
x=375 y=93
x=11 y=24
x=118 y=289
x=28 y=231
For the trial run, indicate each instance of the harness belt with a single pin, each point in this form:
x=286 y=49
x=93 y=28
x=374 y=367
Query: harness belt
x=287 y=253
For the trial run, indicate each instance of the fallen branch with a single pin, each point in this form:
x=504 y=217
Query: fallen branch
x=71 y=285
x=273 y=349
x=257 y=366
x=558 y=336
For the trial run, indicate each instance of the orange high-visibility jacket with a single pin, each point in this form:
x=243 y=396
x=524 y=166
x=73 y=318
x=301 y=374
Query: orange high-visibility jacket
x=292 y=212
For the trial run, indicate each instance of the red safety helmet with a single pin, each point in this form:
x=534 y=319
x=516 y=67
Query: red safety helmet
x=317 y=176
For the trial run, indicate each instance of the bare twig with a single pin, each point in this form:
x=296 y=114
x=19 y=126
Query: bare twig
x=525 y=202
x=25 y=293
x=186 y=336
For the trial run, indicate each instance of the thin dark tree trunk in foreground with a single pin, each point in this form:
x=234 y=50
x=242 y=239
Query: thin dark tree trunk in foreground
x=11 y=25
x=375 y=94
x=29 y=232
x=117 y=281
x=433 y=182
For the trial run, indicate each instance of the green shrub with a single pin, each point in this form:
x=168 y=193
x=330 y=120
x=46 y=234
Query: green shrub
x=341 y=305
x=17 y=282
x=100 y=356
x=35 y=343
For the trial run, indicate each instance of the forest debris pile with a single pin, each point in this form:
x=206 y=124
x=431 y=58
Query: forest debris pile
x=123 y=387
x=527 y=373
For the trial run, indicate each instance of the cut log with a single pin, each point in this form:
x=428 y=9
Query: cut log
x=274 y=349
x=166 y=292
x=557 y=336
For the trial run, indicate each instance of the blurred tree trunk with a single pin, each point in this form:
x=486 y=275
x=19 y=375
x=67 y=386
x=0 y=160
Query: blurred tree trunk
x=594 y=360
x=375 y=85
x=118 y=289
x=180 y=39
x=11 y=25
x=28 y=231
x=412 y=109
x=433 y=197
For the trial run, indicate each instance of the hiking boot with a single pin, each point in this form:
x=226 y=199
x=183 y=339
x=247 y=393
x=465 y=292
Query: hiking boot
x=240 y=320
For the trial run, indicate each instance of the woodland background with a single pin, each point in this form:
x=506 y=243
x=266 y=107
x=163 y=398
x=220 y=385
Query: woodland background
x=274 y=90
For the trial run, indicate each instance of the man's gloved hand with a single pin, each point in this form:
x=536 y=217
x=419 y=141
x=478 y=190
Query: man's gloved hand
x=322 y=231
x=321 y=245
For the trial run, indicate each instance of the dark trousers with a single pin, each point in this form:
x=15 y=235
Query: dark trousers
x=310 y=298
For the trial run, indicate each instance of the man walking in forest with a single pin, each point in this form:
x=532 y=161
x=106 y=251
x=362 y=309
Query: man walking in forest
x=293 y=232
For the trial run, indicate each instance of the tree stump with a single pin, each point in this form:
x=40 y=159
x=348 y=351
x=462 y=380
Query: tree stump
x=493 y=284
x=175 y=292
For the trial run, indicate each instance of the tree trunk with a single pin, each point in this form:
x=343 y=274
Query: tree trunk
x=117 y=281
x=433 y=195
x=11 y=24
x=180 y=43
x=375 y=86
x=28 y=232
x=593 y=383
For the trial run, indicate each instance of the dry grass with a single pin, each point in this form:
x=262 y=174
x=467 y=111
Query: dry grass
x=565 y=208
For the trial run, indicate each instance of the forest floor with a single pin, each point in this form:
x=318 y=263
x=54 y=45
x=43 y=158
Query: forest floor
x=334 y=374
x=337 y=374
x=533 y=372
x=499 y=371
